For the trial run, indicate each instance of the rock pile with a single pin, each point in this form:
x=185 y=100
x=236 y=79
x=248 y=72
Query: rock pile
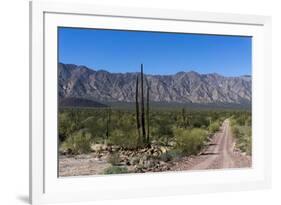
x=148 y=159
x=137 y=161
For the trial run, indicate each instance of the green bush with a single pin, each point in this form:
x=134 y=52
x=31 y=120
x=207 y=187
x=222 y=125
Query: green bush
x=243 y=136
x=78 y=143
x=124 y=138
x=67 y=126
x=242 y=133
x=199 y=121
x=190 y=141
x=116 y=170
x=161 y=129
x=214 y=127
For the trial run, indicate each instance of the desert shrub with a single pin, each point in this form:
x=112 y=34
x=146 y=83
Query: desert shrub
x=243 y=137
x=67 y=125
x=190 y=141
x=199 y=121
x=161 y=129
x=78 y=142
x=96 y=126
x=114 y=159
x=248 y=121
x=214 y=127
x=116 y=170
x=124 y=138
x=235 y=131
x=242 y=118
x=242 y=131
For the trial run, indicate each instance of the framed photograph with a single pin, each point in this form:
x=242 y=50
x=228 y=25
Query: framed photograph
x=129 y=102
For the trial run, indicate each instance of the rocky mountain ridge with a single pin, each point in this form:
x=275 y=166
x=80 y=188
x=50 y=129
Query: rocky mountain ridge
x=182 y=87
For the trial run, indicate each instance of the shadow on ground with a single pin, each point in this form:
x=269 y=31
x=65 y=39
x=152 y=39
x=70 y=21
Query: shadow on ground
x=209 y=153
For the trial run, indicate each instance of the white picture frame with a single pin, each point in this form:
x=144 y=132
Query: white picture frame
x=46 y=187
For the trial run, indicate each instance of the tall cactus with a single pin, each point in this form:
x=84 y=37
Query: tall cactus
x=137 y=110
x=147 y=113
x=142 y=108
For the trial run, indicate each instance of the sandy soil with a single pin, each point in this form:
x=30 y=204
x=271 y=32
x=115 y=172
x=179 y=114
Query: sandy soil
x=85 y=164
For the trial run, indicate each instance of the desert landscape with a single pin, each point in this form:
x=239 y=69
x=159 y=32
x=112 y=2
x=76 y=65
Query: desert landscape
x=151 y=123
x=152 y=101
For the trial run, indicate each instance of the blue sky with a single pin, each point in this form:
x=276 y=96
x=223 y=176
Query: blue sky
x=161 y=53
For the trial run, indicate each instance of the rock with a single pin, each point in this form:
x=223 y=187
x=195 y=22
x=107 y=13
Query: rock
x=141 y=161
x=109 y=149
x=145 y=157
x=67 y=151
x=126 y=159
x=134 y=160
x=162 y=163
x=172 y=144
x=151 y=151
x=132 y=154
x=115 y=148
x=104 y=147
x=96 y=147
x=155 y=154
x=163 y=149
x=139 y=168
x=143 y=150
x=148 y=164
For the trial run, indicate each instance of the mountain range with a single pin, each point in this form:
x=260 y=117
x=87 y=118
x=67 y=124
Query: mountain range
x=75 y=81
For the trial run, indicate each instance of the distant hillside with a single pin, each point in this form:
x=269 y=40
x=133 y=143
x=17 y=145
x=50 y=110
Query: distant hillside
x=183 y=87
x=79 y=102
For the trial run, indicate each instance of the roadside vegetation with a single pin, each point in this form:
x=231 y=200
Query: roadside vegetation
x=241 y=124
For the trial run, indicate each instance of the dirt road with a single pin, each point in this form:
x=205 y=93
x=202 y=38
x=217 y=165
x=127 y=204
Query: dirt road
x=220 y=153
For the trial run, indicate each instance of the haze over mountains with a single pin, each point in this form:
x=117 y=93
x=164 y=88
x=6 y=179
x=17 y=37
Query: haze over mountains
x=182 y=87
